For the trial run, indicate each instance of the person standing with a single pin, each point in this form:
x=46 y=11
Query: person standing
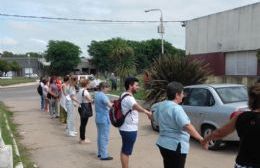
x=70 y=98
x=113 y=81
x=54 y=95
x=42 y=96
x=247 y=125
x=64 y=93
x=84 y=97
x=102 y=104
x=45 y=92
x=128 y=130
x=174 y=128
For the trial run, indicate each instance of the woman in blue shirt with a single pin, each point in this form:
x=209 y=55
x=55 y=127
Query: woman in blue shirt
x=175 y=128
x=102 y=104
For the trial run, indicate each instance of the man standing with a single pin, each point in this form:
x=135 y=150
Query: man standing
x=128 y=130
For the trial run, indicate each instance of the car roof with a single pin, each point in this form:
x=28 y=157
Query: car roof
x=220 y=85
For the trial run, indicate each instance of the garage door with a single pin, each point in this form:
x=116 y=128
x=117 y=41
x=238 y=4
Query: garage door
x=241 y=63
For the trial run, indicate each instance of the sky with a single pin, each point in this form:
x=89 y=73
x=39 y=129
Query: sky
x=20 y=35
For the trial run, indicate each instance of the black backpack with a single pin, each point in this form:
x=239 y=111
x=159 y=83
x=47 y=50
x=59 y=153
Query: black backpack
x=39 y=90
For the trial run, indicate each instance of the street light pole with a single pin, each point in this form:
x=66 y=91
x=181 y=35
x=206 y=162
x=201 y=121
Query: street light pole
x=160 y=27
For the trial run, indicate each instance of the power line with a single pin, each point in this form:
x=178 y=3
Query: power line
x=87 y=20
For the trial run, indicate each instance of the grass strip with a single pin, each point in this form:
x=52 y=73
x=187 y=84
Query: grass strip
x=24 y=152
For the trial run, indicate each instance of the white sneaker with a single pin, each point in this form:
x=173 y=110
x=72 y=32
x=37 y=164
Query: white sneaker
x=71 y=134
x=75 y=132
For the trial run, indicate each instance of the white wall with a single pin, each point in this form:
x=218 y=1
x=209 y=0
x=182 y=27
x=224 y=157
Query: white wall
x=233 y=30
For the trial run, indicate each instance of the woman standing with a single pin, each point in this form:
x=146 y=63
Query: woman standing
x=70 y=97
x=102 y=104
x=175 y=128
x=247 y=125
x=84 y=97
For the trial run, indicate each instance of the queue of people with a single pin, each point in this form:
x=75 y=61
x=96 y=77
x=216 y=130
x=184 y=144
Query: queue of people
x=175 y=127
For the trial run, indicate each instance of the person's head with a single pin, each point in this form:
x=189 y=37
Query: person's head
x=53 y=80
x=73 y=80
x=66 y=78
x=84 y=83
x=104 y=86
x=254 y=97
x=175 y=91
x=131 y=84
x=44 y=81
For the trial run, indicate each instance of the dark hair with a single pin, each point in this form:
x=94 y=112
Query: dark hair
x=172 y=89
x=44 y=81
x=130 y=81
x=103 y=85
x=66 y=78
x=254 y=97
x=53 y=78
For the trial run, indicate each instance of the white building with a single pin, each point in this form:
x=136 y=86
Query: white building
x=228 y=40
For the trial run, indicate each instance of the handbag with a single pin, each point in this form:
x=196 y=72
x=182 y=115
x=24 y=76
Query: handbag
x=85 y=109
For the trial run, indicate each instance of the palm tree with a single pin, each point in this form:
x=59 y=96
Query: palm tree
x=124 y=59
x=168 y=68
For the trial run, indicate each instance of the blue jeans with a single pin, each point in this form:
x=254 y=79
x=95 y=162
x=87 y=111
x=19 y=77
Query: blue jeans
x=42 y=102
x=103 y=139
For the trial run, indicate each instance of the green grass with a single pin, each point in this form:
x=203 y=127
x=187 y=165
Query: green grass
x=15 y=80
x=25 y=156
x=139 y=95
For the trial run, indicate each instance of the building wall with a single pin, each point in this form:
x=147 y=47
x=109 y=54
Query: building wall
x=233 y=30
x=26 y=63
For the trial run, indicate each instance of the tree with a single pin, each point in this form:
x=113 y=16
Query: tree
x=4 y=66
x=15 y=66
x=124 y=59
x=64 y=57
x=100 y=55
x=7 y=54
x=168 y=68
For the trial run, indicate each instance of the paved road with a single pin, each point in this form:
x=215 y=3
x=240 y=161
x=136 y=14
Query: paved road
x=50 y=148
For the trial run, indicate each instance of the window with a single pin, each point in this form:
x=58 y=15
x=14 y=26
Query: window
x=232 y=94
x=199 y=97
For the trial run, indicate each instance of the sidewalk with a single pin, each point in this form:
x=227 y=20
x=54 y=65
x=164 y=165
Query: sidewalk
x=20 y=85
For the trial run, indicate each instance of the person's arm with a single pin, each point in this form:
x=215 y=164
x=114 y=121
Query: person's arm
x=87 y=96
x=193 y=132
x=221 y=132
x=139 y=108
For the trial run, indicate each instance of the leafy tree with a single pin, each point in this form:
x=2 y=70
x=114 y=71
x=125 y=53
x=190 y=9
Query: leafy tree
x=34 y=55
x=168 y=68
x=14 y=66
x=7 y=54
x=63 y=55
x=100 y=53
x=4 y=66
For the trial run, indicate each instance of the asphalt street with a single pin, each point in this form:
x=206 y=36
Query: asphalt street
x=51 y=148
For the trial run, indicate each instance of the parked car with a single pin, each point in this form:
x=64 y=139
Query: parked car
x=210 y=106
x=32 y=75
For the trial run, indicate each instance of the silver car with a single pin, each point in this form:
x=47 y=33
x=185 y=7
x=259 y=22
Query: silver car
x=210 y=106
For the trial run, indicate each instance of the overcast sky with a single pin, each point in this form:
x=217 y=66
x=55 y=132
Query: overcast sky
x=24 y=35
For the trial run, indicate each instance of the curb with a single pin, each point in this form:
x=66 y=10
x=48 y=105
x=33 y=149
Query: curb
x=20 y=85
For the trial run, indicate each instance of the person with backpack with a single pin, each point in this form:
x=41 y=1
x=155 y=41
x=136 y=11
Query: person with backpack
x=129 y=128
x=102 y=105
x=40 y=92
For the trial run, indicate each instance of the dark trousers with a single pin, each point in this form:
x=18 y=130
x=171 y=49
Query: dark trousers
x=173 y=159
x=82 y=128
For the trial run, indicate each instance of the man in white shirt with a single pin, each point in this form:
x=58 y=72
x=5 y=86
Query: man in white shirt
x=128 y=130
